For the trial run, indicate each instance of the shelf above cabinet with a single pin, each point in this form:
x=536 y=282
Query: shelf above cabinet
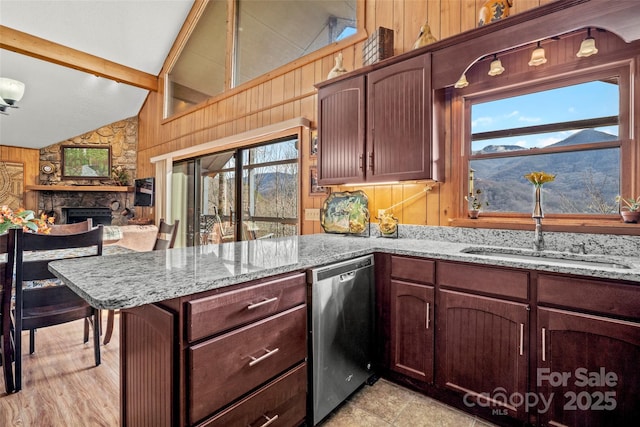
x=104 y=188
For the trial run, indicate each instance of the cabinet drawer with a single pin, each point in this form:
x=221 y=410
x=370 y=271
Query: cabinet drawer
x=413 y=269
x=224 y=368
x=490 y=280
x=217 y=313
x=283 y=401
x=598 y=296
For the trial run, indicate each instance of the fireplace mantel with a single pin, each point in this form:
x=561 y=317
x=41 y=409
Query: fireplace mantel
x=105 y=188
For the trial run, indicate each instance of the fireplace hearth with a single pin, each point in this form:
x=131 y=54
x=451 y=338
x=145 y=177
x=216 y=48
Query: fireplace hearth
x=97 y=215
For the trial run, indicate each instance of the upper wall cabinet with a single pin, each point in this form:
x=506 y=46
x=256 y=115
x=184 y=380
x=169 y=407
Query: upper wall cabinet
x=376 y=126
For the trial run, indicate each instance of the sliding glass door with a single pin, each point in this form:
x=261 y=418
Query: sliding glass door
x=219 y=207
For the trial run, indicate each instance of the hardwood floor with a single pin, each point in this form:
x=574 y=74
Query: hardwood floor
x=61 y=386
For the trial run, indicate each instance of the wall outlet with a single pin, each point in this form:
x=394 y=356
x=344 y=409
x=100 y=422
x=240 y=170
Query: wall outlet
x=312 y=214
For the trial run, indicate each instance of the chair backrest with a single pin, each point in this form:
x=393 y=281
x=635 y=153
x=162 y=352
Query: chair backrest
x=7 y=251
x=166 y=235
x=78 y=227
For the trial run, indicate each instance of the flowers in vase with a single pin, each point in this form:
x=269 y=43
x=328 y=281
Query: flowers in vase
x=25 y=219
x=539 y=178
x=120 y=175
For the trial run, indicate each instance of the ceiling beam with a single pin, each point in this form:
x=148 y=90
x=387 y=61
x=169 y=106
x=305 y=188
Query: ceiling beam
x=46 y=50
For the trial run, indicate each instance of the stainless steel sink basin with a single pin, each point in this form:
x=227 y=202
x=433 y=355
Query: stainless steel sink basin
x=550 y=257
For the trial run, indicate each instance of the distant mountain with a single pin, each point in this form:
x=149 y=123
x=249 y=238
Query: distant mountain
x=585 y=180
x=584 y=137
x=497 y=149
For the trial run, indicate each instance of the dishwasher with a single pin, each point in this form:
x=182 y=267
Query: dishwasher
x=341 y=332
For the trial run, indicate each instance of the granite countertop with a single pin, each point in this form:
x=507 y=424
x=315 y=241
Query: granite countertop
x=130 y=280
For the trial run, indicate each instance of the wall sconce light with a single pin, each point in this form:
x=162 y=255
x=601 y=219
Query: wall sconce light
x=496 y=67
x=588 y=46
x=537 y=57
x=11 y=91
x=462 y=82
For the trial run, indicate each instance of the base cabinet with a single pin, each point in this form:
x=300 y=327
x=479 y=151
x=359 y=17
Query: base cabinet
x=482 y=351
x=587 y=360
x=221 y=358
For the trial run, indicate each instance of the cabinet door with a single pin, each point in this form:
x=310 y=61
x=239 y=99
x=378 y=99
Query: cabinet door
x=587 y=369
x=483 y=351
x=412 y=330
x=147 y=360
x=399 y=121
x=341 y=120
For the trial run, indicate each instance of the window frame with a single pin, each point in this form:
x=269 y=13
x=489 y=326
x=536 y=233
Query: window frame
x=486 y=92
x=192 y=21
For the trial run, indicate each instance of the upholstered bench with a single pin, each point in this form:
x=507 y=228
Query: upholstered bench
x=136 y=237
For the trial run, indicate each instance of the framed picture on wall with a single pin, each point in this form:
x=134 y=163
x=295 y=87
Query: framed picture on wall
x=315 y=189
x=313 y=150
x=86 y=161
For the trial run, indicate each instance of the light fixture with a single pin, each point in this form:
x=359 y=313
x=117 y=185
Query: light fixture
x=496 y=67
x=588 y=46
x=537 y=57
x=462 y=82
x=11 y=91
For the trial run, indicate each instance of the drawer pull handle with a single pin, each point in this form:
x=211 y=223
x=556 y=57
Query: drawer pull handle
x=544 y=345
x=261 y=303
x=269 y=353
x=269 y=420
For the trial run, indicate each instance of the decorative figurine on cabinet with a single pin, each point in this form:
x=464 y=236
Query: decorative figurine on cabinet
x=425 y=37
x=338 y=69
x=494 y=10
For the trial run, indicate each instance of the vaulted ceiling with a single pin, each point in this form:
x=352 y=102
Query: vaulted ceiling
x=78 y=52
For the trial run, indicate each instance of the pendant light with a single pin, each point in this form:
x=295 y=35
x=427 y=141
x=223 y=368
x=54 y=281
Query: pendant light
x=11 y=91
x=462 y=82
x=588 y=46
x=537 y=56
x=496 y=67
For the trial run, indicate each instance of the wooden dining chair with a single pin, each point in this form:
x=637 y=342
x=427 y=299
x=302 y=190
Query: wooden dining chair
x=166 y=235
x=78 y=227
x=40 y=307
x=7 y=251
x=165 y=240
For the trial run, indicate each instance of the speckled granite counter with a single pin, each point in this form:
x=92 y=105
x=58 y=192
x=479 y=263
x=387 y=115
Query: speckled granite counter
x=130 y=280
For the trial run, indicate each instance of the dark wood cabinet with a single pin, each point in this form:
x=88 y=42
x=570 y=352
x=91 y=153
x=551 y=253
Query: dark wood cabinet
x=399 y=143
x=412 y=337
x=483 y=351
x=411 y=315
x=341 y=132
x=395 y=110
x=587 y=363
x=229 y=356
x=483 y=335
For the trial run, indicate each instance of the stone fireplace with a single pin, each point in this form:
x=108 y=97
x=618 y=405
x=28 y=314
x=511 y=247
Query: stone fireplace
x=104 y=207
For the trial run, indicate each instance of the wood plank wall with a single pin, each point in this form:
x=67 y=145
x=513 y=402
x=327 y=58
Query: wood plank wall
x=291 y=94
x=30 y=158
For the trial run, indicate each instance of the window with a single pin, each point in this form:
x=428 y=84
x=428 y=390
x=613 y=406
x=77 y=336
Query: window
x=572 y=131
x=268 y=34
x=199 y=71
x=266 y=196
x=272 y=33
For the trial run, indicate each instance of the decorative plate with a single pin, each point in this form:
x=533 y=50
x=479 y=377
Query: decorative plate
x=345 y=212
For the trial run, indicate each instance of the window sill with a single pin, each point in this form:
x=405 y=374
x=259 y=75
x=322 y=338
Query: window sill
x=600 y=226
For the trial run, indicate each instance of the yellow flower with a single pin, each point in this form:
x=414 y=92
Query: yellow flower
x=539 y=178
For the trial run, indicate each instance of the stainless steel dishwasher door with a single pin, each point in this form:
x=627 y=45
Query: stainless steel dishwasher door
x=342 y=322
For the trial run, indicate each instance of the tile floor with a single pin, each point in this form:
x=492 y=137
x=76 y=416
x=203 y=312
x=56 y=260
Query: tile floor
x=386 y=404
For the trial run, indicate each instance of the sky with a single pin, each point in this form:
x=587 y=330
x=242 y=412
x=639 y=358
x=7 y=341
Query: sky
x=577 y=102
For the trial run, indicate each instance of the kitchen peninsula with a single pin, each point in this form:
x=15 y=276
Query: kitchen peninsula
x=184 y=317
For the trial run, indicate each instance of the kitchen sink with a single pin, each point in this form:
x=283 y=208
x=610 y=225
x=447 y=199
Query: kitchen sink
x=567 y=259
